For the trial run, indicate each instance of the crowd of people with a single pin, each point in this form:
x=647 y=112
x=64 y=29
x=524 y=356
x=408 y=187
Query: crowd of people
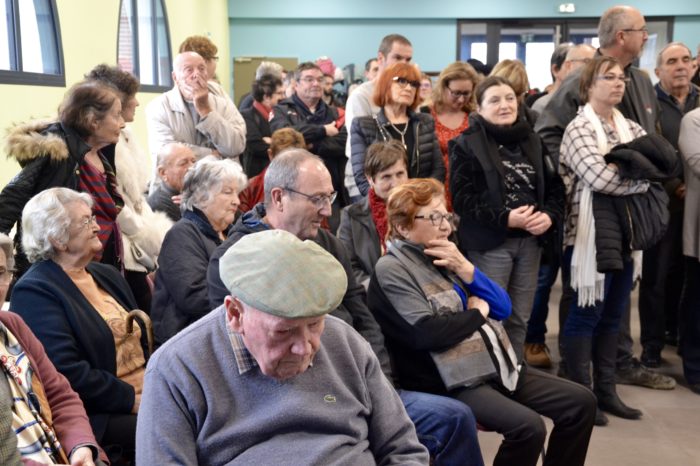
x=310 y=280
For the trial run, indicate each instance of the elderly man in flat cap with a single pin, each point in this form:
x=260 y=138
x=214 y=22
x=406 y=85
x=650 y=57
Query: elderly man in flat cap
x=268 y=377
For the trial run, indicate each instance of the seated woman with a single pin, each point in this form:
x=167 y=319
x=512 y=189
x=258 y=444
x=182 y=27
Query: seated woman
x=396 y=93
x=77 y=308
x=209 y=205
x=440 y=317
x=35 y=399
x=363 y=225
x=76 y=152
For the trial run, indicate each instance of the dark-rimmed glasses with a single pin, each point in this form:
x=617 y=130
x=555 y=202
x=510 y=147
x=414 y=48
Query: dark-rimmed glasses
x=457 y=94
x=436 y=218
x=403 y=82
x=319 y=200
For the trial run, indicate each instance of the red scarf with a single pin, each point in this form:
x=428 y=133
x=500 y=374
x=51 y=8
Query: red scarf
x=264 y=111
x=377 y=208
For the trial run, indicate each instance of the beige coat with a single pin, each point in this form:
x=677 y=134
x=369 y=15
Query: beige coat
x=689 y=145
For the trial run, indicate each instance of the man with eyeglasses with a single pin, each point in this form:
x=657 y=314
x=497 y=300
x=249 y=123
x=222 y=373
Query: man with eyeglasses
x=321 y=125
x=662 y=272
x=298 y=196
x=622 y=33
x=394 y=48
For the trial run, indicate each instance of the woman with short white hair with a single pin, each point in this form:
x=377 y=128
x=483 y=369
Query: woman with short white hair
x=209 y=205
x=78 y=309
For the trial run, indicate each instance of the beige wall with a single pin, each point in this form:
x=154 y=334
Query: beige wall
x=89 y=35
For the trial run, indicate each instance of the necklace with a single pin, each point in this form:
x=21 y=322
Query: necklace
x=401 y=133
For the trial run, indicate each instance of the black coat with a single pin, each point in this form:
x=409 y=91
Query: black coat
x=637 y=221
x=478 y=189
x=425 y=161
x=255 y=158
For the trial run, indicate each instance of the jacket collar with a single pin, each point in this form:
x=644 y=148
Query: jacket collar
x=175 y=100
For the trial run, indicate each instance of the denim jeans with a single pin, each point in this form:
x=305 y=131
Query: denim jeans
x=446 y=427
x=537 y=324
x=603 y=318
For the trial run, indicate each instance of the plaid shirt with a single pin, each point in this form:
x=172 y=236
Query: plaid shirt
x=244 y=360
x=580 y=162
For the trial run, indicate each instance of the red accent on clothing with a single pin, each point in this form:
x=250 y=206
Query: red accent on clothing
x=340 y=122
x=444 y=135
x=253 y=193
x=264 y=111
x=94 y=182
x=377 y=208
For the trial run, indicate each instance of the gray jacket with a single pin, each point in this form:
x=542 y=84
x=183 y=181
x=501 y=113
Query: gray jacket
x=690 y=150
x=359 y=234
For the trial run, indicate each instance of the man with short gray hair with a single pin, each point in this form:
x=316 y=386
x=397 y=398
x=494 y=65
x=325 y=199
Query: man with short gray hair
x=268 y=377
x=189 y=113
x=174 y=159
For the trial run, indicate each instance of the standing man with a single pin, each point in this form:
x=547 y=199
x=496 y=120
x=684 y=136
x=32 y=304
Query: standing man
x=622 y=33
x=393 y=48
x=298 y=196
x=268 y=378
x=320 y=124
x=662 y=273
x=371 y=69
x=189 y=113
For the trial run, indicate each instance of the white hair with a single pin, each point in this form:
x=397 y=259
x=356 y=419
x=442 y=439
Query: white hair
x=45 y=218
x=206 y=177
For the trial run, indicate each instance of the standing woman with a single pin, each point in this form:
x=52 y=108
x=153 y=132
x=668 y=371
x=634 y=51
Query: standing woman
x=453 y=101
x=142 y=230
x=591 y=329
x=396 y=93
x=507 y=195
x=76 y=152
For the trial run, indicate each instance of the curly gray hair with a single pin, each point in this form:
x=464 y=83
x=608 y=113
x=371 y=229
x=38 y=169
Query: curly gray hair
x=45 y=218
x=206 y=177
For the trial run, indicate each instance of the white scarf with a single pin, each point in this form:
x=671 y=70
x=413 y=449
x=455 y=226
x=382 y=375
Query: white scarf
x=585 y=277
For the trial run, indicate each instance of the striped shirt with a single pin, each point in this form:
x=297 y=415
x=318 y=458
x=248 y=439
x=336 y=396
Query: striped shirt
x=94 y=182
x=581 y=163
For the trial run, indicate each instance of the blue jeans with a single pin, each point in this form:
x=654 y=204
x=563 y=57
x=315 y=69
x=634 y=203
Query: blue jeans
x=446 y=427
x=537 y=324
x=603 y=318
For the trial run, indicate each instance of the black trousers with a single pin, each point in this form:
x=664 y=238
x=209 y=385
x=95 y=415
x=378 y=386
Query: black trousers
x=690 y=321
x=662 y=282
x=517 y=417
x=119 y=439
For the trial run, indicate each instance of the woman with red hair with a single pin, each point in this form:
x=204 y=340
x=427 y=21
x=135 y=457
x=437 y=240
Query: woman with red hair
x=396 y=94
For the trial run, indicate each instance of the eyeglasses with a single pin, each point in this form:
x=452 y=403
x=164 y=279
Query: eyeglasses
x=319 y=200
x=436 y=218
x=457 y=94
x=87 y=221
x=310 y=80
x=581 y=60
x=403 y=82
x=6 y=277
x=643 y=30
x=613 y=77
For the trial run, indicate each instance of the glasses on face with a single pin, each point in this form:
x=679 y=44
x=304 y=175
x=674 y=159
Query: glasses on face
x=459 y=94
x=403 y=82
x=436 y=218
x=86 y=222
x=311 y=80
x=580 y=60
x=6 y=277
x=643 y=30
x=610 y=78
x=319 y=200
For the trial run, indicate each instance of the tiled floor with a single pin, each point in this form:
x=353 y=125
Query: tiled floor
x=667 y=435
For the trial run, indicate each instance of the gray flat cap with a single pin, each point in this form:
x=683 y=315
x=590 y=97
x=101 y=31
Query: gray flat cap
x=277 y=273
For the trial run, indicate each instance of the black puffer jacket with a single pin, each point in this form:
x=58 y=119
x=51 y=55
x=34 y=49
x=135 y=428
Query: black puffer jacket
x=638 y=221
x=50 y=155
x=425 y=161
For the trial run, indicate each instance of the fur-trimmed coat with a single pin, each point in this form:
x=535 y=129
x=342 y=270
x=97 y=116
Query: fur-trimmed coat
x=143 y=230
x=50 y=155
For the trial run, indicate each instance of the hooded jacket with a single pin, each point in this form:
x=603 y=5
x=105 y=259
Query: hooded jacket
x=50 y=155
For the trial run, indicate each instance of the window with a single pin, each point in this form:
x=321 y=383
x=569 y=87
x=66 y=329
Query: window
x=30 y=43
x=143 y=45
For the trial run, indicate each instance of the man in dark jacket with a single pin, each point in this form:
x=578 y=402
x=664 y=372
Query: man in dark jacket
x=322 y=126
x=622 y=33
x=662 y=273
x=298 y=195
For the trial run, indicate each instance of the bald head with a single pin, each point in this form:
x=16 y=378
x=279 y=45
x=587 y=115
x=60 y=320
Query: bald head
x=577 y=57
x=188 y=69
x=174 y=160
x=622 y=32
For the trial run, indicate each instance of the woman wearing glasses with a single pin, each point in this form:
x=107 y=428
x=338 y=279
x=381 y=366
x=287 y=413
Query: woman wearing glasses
x=441 y=317
x=396 y=93
x=507 y=194
x=591 y=329
x=77 y=308
x=453 y=101
x=209 y=205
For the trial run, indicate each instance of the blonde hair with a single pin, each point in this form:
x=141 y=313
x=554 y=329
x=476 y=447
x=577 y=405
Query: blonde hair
x=456 y=71
x=514 y=72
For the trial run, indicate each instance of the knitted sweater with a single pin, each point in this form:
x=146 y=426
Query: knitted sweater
x=198 y=409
